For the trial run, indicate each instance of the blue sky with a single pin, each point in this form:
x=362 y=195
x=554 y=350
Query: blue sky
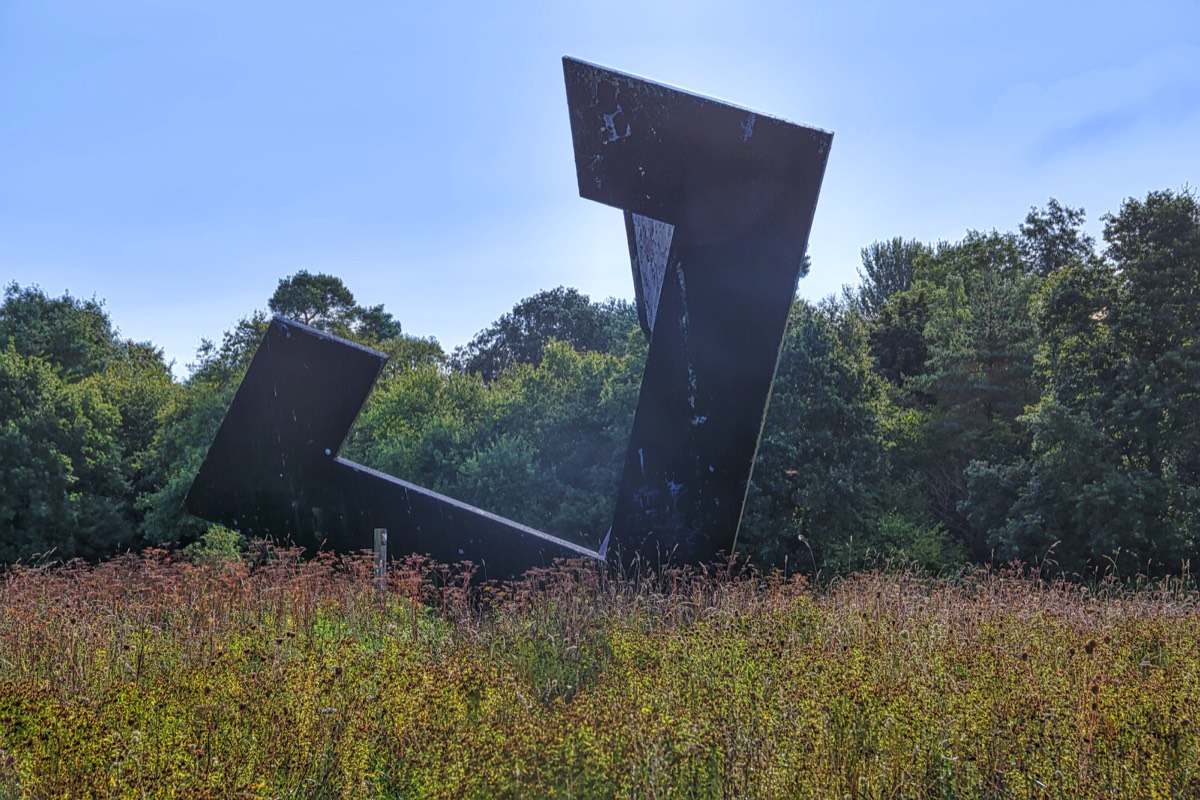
x=176 y=159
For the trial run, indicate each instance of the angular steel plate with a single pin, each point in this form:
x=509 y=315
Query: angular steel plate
x=273 y=468
x=719 y=202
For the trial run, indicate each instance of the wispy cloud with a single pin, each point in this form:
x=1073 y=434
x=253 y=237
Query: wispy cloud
x=1102 y=107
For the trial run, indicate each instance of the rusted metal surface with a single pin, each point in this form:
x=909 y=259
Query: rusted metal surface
x=273 y=468
x=730 y=195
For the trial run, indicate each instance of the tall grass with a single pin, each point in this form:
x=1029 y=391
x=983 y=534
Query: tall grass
x=148 y=676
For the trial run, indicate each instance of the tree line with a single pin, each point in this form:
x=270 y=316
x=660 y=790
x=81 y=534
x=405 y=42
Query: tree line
x=1025 y=395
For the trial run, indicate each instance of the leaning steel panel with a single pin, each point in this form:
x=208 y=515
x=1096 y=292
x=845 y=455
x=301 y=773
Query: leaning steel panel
x=729 y=194
x=273 y=468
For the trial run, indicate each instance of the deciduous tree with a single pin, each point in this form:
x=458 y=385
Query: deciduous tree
x=315 y=299
x=566 y=315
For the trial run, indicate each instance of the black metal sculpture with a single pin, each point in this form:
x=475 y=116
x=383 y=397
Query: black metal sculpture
x=718 y=205
x=273 y=468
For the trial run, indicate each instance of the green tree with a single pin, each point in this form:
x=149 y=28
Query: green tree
x=888 y=268
x=1155 y=249
x=1070 y=506
x=315 y=299
x=137 y=382
x=979 y=374
x=113 y=392
x=1114 y=470
x=575 y=410
x=74 y=336
x=520 y=336
x=541 y=444
x=376 y=325
x=324 y=302
x=420 y=424
x=897 y=336
x=60 y=465
x=1053 y=239
x=77 y=339
x=898 y=309
x=819 y=494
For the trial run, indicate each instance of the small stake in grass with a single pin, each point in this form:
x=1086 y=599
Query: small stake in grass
x=380 y=561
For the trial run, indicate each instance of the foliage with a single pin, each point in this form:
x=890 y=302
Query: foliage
x=376 y=325
x=137 y=382
x=979 y=374
x=221 y=679
x=324 y=302
x=406 y=352
x=1053 y=239
x=541 y=444
x=821 y=496
x=888 y=268
x=562 y=314
x=898 y=343
x=74 y=336
x=80 y=408
x=576 y=411
x=60 y=465
x=319 y=300
x=820 y=454
x=1114 y=470
x=218 y=542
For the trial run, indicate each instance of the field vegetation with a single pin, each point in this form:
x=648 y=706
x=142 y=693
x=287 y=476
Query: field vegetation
x=167 y=676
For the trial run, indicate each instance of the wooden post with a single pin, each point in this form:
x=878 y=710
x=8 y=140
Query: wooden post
x=380 y=561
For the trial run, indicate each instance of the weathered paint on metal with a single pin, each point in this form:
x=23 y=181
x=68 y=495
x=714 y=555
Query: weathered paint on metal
x=649 y=248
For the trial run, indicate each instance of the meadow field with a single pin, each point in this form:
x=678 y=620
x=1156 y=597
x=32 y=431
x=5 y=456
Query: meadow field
x=157 y=676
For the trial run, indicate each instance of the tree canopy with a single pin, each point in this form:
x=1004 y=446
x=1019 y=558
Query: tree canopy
x=562 y=314
x=324 y=302
x=319 y=300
